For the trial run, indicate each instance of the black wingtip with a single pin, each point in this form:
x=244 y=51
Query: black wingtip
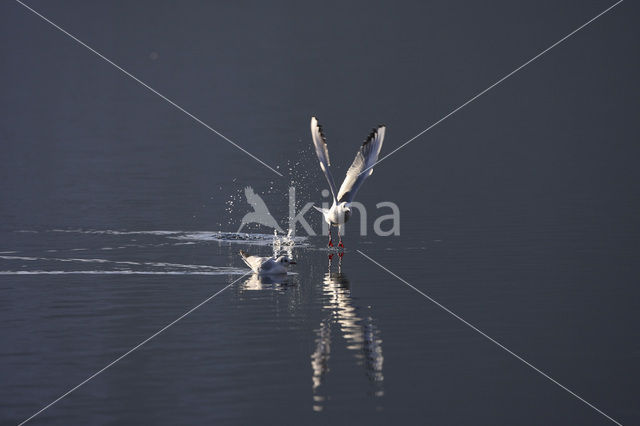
x=324 y=139
x=370 y=136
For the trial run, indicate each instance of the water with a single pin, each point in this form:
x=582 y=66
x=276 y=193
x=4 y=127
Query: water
x=118 y=214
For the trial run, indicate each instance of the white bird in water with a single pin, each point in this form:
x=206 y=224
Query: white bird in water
x=267 y=265
x=361 y=168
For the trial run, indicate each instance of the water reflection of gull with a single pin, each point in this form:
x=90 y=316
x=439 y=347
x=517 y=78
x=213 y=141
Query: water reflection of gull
x=360 y=334
x=267 y=282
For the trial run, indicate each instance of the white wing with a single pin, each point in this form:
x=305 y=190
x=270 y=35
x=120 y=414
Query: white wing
x=320 y=143
x=365 y=159
x=254 y=262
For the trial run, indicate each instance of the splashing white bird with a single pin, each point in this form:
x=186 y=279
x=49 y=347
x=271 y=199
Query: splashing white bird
x=267 y=265
x=361 y=168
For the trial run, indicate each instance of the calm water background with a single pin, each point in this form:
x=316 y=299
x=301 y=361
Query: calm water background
x=520 y=213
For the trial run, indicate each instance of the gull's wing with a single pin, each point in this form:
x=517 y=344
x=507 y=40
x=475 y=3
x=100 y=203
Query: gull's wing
x=253 y=262
x=365 y=159
x=320 y=143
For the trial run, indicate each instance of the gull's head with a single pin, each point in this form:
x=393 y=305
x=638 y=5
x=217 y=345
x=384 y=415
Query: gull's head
x=347 y=214
x=285 y=261
x=345 y=211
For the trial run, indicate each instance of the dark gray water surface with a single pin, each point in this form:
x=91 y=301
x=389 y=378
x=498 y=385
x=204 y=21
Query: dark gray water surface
x=519 y=213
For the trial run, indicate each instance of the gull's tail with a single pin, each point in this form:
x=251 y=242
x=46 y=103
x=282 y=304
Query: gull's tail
x=244 y=256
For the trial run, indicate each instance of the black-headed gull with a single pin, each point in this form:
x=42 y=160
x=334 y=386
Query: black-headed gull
x=366 y=157
x=267 y=265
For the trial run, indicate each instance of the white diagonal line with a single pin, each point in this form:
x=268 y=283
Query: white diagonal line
x=500 y=345
x=131 y=350
x=133 y=77
x=493 y=85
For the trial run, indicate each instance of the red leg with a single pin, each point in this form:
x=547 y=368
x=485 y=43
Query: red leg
x=340 y=238
x=330 y=240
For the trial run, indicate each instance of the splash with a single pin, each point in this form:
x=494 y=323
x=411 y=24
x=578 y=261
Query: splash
x=244 y=238
x=202 y=237
x=284 y=244
x=297 y=173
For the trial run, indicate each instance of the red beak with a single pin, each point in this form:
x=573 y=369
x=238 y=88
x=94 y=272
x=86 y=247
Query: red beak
x=292 y=263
